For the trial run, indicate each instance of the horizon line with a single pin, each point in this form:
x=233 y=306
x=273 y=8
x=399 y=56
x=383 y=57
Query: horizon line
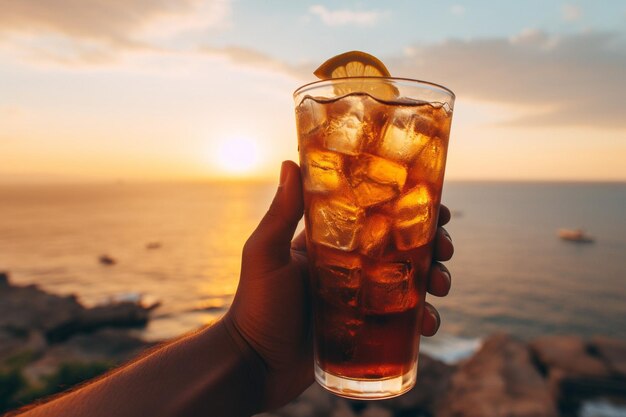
x=269 y=180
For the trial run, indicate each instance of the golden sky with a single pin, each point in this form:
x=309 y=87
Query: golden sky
x=103 y=90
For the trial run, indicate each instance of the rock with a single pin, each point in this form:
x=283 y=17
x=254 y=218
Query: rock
x=298 y=409
x=578 y=371
x=15 y=349
x=572 y=391
x=52 y=336
x=4 y=279
x=322 y=400
x=499 y=380
x=115 y=345
x=342 y=409
x=433 y=381
x=107 y=260
x=27 y=308
x=123 y=314
x=110 y=346
x=24 y=309
x=612 y=352
x=315 y=401
x=374 y=410
x=567 y=353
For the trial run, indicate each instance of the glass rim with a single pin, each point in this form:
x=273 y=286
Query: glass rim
x=331 y=81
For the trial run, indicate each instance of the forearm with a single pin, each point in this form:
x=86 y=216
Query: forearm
x=206 y=373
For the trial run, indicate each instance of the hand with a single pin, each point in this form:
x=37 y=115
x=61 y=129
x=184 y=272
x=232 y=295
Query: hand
x=271 y=310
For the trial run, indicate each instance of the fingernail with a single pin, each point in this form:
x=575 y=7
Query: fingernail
x=445 y=232
x=446 y=271
x=284 y=173
x=434 y=314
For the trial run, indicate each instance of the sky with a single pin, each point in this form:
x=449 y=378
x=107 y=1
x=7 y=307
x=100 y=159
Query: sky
x=143 y=90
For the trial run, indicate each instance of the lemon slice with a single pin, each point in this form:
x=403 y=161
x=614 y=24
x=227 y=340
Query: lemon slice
x=352 y=64
x=358 y=64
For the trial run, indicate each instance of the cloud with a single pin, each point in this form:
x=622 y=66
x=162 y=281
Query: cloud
x=60 y=50
x=346 y=17
x=571 y=12
x=101 y=27
x=255 y=59
x=457 y=9
x=580 y=77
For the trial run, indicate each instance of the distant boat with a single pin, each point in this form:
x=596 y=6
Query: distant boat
x=107 y=260
x=575 y=235
x=153 y=245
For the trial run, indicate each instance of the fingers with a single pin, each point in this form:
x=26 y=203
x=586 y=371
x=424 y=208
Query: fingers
x=430 y=321
x=439 y=280
x=444 y=249
x=268 y=246
x=444 y=215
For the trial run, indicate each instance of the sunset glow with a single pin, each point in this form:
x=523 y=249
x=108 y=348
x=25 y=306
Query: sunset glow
x=87 y=96
x=237 y=155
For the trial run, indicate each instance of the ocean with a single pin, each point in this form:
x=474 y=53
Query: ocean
x=510 y=271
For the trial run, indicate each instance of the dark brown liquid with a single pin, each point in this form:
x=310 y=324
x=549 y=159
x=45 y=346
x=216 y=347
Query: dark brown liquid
x=354 y=342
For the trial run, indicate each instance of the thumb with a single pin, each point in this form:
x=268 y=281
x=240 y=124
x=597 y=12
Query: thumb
x=269 y=246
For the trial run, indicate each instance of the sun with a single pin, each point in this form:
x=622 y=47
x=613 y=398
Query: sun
x=237 y=155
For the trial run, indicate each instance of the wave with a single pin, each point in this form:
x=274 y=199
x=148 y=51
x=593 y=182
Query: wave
x=602 y=408
x=449 y=348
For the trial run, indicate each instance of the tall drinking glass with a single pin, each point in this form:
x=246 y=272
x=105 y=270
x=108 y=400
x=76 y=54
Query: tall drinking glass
x=372 y=154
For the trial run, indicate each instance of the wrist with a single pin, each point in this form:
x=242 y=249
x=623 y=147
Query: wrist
x=255 y=367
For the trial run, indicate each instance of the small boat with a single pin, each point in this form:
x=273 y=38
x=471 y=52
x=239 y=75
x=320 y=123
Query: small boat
x=153 y=245
x=107 y=260
x=575 y=235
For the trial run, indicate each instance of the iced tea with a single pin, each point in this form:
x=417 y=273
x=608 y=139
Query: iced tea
x=372 y=174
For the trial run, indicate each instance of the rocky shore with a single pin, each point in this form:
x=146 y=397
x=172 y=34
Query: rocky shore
x=49 y=343
x=550 y=376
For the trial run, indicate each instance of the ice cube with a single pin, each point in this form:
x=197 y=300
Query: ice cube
x=375 y=235
x=339 y=277
x=414 y=218
x=430 y=163
x=309 y=116
x=376 y=115
x=401 y=140
x=444 y=120
x=335 y=222
x=388 y=288
x=327 y=256
x=321 y=170
x=347 y=106
x=344 y=131
x=375 y=179
x=426 y=121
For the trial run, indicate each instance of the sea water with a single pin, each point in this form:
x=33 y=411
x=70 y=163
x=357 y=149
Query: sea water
x=510 y=271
